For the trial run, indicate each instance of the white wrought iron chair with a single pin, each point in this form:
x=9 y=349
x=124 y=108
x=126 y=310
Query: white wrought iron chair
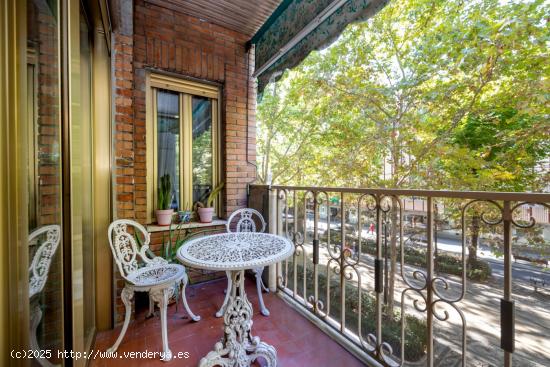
x=38 y=275
x=245 y=223
x=157 y=277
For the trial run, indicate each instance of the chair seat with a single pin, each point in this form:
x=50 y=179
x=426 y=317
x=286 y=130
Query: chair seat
x=156 y=275
x=159 y=278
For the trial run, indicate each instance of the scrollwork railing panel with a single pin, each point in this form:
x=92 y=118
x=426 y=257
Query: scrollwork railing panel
x=345 y=239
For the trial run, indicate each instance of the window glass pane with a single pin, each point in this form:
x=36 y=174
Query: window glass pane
x=168 y=114
x=44 y=181
x=202 y=148
x=85 y=193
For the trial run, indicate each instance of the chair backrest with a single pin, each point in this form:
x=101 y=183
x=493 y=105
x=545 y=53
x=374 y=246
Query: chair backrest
x=40 y=265
x=124 y=246
x=245 y=221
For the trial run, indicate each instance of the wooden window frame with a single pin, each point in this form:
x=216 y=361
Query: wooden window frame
x=32 y=151
x=186 y=88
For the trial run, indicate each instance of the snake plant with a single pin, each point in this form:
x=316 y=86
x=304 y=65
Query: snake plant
x=164 y=192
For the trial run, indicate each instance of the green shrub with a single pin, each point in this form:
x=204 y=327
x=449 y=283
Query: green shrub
x=415 y=328
x=445 y=263
x=479 y=270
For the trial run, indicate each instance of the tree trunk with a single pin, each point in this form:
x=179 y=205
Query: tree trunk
x=393 y=258
x=474 y=239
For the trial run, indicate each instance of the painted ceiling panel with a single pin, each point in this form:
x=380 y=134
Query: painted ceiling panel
x=243 y=16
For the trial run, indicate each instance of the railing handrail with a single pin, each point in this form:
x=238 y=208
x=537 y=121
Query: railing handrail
x=486 y=195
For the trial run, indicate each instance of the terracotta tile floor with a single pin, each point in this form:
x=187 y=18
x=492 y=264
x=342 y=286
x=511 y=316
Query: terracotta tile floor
x=299 y=343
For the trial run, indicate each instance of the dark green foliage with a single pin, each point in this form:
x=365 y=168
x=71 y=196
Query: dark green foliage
x=445 y=263
x=479 y=270
x=415 y=329
x=214 y=194
x=164 y=192
x=209 y=202
x=176 y=237
x=453 y=94
x=171 y=242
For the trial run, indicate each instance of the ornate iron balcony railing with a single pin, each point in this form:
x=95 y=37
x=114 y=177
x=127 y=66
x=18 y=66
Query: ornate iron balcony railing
x=398 y=276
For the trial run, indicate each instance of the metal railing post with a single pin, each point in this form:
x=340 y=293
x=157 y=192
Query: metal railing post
x=378 y=276
x=507 y=312
x=429 y=289
x=342 y=263
x=294 y=230
x=315 y=253
x=274 y=228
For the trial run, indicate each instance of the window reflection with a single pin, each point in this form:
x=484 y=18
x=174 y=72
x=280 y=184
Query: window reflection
x=185 y=145
x=168 y=114
x=202 y=148
x=44 y=179
x=85 y=194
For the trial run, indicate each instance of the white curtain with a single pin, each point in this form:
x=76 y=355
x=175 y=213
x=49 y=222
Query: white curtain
x=168 y=135
x=167 y=161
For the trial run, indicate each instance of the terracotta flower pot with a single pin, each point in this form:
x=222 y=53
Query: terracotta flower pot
x=164 y=217
x=205 y=214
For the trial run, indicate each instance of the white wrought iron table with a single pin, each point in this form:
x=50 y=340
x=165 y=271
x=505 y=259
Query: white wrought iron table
x=235 y=253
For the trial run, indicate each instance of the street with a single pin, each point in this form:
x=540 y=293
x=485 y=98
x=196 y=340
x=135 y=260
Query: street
x=521 y=270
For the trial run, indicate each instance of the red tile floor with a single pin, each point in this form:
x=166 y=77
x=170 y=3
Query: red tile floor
x=299 y=343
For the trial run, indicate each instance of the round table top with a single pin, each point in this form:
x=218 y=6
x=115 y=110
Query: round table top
x=235 y=251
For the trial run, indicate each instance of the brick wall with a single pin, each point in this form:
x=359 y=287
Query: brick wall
x=123 y=81
x=195 y=275
x=162 y=39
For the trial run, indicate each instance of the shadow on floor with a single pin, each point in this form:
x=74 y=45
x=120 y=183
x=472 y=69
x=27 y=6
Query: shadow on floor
x=298 y=342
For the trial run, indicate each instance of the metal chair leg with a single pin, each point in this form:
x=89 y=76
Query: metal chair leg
x=161 y=297
x=36 y=316
x=127 y=296
x=259 y=284
x=184 y=299
x=151 y=312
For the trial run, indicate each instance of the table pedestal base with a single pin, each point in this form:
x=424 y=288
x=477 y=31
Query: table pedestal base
x=239 y=348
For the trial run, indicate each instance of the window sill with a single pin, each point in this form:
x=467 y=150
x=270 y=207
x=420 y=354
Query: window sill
x=152 y=228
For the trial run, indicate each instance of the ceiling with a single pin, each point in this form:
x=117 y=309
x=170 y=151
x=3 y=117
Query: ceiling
x=243 y=16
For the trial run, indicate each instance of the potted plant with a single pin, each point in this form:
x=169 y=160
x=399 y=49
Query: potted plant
x=175 y=238
x=185 y=215
x=164 y=212
x=171 y=242
x=206 y=211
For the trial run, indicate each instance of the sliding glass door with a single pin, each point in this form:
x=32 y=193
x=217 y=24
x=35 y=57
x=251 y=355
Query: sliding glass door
x=60 y=179
x=82 y=214
x=44 y=180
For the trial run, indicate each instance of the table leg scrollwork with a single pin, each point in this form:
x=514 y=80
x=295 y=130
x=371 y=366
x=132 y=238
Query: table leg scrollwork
x=239 y=348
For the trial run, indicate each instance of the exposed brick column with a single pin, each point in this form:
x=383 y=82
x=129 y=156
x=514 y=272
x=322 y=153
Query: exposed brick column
x=124 y=126
x=240 y=129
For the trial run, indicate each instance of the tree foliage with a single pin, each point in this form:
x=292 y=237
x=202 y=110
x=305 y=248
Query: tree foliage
x=439 y=94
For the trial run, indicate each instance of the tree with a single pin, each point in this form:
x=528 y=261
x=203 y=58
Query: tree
x=287 y=135
x=450 y=94
x=410 y=79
